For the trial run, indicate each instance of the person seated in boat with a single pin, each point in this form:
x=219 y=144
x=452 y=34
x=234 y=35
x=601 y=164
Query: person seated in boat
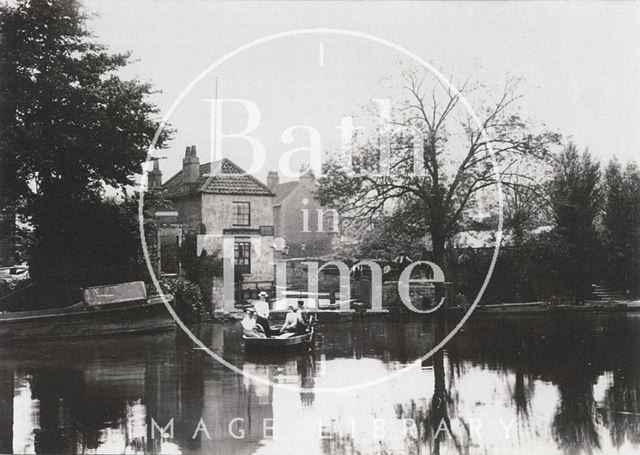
x=302 y=319
x=262 y=311
x=290 y=321
x=250 y=327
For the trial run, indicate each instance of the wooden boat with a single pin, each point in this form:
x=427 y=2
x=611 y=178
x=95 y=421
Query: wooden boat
x=275 y=344
x=105 y=310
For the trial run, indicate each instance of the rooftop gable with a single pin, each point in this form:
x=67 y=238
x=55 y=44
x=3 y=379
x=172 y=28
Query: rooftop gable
x=282 y=190
x=218 y=177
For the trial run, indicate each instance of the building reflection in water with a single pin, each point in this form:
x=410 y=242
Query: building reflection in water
x=510 y=386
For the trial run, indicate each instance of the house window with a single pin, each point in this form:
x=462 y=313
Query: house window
x=241 y=213
x=242 y=256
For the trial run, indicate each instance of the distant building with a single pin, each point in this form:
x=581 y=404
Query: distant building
x=155 y=176
x=308 y=229
x=220 y=199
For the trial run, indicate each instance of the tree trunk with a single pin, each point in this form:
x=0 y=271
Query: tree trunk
x=439 y=409
x=438 y=239
x=7 y=153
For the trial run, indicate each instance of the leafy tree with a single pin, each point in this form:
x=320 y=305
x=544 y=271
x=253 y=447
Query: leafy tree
x=391 y=234
x=199 y=268
x=525 y=206
x=621 y=222
x=75 y=128
x=455 y=155
x=547 y=266
x=98 y=243
x=575 y=194
x=575 y=189
x=524 y=209
x=102 y=238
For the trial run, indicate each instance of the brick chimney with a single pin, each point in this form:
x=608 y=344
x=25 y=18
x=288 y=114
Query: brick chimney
x=272 y=179
x=155 y=176
x=190 y=165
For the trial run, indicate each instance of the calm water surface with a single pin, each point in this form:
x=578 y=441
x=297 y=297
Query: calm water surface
x=545 y=384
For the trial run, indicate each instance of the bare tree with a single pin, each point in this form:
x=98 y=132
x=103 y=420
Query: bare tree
x=457 y=155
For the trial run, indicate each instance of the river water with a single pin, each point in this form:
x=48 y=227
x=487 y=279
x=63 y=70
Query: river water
x=514 y=385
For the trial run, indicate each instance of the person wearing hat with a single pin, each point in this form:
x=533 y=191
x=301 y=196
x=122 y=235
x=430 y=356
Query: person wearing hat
x=250 y=327
x=262 y=310
x=302 y=319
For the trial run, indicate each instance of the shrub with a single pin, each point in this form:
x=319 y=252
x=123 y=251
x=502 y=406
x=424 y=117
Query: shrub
x=199 y=267
x=12 y=297
x=188 y=300
x=5 y=287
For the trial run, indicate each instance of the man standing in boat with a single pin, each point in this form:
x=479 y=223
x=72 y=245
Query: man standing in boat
x=262 y=310
x=302 y=319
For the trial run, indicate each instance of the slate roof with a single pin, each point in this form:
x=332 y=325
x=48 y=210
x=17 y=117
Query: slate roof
x=217 y=177
x=282 y=190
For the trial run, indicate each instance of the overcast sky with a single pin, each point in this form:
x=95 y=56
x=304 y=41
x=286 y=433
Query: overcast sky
x=580 y=63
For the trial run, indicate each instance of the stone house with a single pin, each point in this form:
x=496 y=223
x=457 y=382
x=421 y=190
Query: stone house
x=218 y=200
x=308 y=229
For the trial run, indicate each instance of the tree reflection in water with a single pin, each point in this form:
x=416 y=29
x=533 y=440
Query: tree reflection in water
x=574 y=424
x=306 y=371
x=573 y=383
x=621 y=411
x=522 y=392
x=572 y=353
x=622 y=400
x=433 y=423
